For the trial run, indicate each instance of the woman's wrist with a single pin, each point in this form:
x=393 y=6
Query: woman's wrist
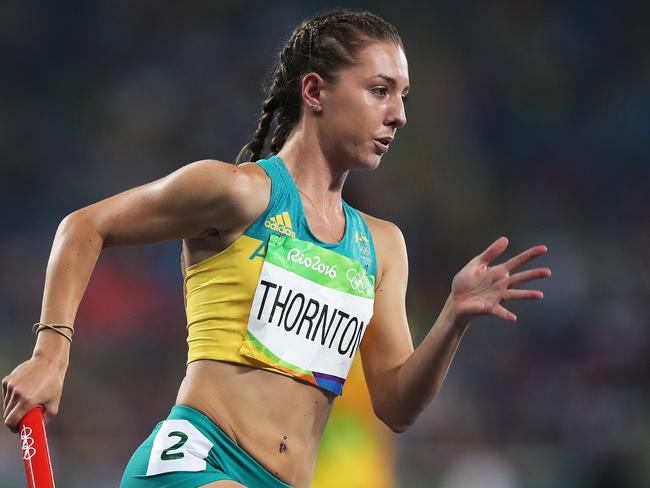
x=52 y=347
x=455 y=319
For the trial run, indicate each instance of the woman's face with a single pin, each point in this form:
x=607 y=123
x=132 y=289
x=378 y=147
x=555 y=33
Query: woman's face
x=364 y=107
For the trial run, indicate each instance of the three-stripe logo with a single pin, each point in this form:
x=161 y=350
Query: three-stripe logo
x=281 y=223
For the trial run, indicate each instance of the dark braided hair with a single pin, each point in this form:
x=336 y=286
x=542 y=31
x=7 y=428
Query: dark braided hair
x=324 y=44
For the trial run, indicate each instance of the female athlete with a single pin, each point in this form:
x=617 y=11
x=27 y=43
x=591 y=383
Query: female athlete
x=283 y=279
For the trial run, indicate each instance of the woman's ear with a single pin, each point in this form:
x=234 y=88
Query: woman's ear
x=312 y=85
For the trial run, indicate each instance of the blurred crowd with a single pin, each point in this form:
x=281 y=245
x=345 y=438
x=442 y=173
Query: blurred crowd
x=526 y=119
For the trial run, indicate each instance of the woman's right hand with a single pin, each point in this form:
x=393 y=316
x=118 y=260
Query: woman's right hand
x=37 y=381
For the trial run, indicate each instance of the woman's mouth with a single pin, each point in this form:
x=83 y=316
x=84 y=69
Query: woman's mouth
x=382 y=144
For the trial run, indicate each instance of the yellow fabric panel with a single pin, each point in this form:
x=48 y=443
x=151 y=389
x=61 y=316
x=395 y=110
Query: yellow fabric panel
x=218 y=297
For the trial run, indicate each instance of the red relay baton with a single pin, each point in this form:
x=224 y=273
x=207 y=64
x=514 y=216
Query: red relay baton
x=36 y=454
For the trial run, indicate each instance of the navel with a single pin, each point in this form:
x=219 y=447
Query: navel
x=283 y=446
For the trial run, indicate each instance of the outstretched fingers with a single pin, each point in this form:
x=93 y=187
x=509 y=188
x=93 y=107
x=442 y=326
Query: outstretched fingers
x=523 y=277
x=524 y=257
x=529 y=275
x=493 y=251
x=523 y=295
x=504 y=313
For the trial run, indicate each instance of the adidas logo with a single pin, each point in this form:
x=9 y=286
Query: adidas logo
x=281 y=223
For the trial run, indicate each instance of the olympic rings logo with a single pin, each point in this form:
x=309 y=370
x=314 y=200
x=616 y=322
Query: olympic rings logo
x=27 y=443
x=364 y=250
x=358 y=282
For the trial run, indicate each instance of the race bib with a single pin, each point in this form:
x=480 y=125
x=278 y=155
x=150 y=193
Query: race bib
x=178 y=446
x=310 y=311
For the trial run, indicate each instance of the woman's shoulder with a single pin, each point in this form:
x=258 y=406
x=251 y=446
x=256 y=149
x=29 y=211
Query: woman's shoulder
x=244 y=188
x=382 y=230
x=244 y=176
x=388 y=240
x=248 y=172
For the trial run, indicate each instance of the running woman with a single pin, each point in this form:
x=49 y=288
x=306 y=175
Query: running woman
x=284 y=281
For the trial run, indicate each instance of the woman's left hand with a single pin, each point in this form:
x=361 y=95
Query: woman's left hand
x=479 y=289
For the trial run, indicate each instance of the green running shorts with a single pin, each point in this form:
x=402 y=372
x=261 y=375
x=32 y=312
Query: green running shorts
x=188 y=450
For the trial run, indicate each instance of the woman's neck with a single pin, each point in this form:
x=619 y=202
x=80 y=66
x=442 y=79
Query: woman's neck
x=312 y=173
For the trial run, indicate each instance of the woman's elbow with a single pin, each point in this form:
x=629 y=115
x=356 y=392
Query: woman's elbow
x=78 y=227
x=398 y=426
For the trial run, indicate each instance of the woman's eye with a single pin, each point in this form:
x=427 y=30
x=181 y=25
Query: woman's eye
x=381 y=91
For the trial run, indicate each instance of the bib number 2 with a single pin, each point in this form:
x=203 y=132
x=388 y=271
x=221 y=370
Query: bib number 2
x=178 y=446
x=167 y=455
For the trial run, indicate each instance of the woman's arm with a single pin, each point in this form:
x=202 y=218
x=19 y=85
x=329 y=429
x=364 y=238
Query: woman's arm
x=401 y=381
x=200 y=196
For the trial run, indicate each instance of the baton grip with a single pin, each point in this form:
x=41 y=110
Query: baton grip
x=35 y=453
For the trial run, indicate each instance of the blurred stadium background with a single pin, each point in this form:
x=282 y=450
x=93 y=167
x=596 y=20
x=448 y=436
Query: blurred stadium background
x=525 y=119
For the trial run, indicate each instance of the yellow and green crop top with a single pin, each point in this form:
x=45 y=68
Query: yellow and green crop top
x=280 y=299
